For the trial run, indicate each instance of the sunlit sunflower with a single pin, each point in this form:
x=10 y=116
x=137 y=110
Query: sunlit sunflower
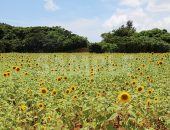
x=8 y=73
x=150 y=90
x=140 y=89
x=98 y=94
x=156 y=100
x=141 y=73
x=42 y=82
x=143 y=65
x=75 y=97
x=65 y=77
x=54 y=92
x=148 y=102
x=92 y=74
x=138 y=69
x=5 y=74
x=43 y=91
x=49 y=118
x=73 y=88
x=40 y=106
x=23 y=108
x=91 y=80
x=26 y=73
x=17 y=69
x=159 y=63
x=124 y=97
x=103 y=93
x=14 y=67
x=82 y=92
x=67 y=91
x=59 y=78
x=133 y=82
x=127 y=83
x=43 y=127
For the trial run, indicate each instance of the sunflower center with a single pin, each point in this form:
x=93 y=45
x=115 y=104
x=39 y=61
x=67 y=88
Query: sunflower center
x=54 y=92
x=139 y=89
x=43 y=91
x=124 y=97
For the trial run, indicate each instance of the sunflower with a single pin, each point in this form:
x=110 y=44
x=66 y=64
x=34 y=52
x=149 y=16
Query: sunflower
x=14 y=67
x=67 y=91
x=140 y=89
x=141 y=73
x=148 y=102
x=43 y=127
x=143 y=65
x=91 y=80
x=75 y=97
x=156 y=100
x=126 y=83
x=54 y=92
x=17 y=69
x=82 y=92
x=92 y=74
x=43 y=91
x=26 y=73
x=59 y=78
x=98 y=94
x=133 y=82
x=23 y=108
x=8 y=73
x=40 y=106
x=159 y=63
x=73 y=88
x=42 y=83
x=138 y=69
x=150 y=91
x=5 y=74
x=65 y=77
x=124 y=97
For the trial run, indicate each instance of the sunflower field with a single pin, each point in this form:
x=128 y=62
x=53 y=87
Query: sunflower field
x=83 y=91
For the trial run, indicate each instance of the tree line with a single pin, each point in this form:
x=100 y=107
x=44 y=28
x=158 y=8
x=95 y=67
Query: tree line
x=127 y=40
x=39 y=39
x=57 y=39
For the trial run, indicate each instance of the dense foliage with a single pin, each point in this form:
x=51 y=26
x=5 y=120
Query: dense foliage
x=126 y=39
x=38 y=39
x=56 y=39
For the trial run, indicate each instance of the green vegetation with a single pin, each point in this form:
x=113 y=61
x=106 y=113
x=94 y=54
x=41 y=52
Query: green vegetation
x=39 y=39
x=56 y=39
x=126 y=39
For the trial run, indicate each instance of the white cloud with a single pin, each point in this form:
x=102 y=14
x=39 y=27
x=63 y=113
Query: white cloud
x=153 y=15
x=91 y=28
x=115 y=20
x=122 y=16
x=131 y=3
x=163 y=23
x=158 y=6
x=50 y=5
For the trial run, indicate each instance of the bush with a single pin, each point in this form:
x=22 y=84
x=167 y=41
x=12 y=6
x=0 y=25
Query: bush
x=95 y=47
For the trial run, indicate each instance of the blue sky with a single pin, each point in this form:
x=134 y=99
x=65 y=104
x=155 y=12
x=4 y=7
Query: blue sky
x=87 y=18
